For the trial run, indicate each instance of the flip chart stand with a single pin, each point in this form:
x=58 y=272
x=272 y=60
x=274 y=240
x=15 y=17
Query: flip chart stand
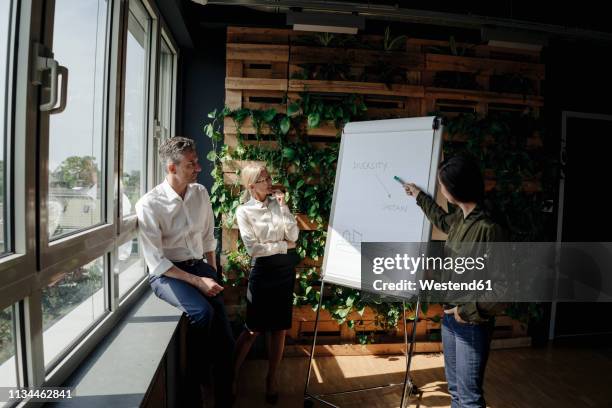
x=408 y=387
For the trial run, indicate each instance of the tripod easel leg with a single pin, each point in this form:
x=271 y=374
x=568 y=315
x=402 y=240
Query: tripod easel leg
x=307 y=396
x=409 y=388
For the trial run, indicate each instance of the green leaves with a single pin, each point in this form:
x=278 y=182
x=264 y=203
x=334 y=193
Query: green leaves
x=240 y=115
x=390 y=44
x=313 y=120
x=288 y=153
x=212 y=156
x=293 y=109
x=285 y=125
x=269 y=115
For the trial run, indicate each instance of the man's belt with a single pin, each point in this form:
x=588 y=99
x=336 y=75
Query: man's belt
x=190 y=262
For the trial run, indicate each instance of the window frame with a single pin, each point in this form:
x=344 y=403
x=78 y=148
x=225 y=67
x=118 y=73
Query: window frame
x=157 y=173
x=60 y=252
x=35 y=259
x=127 y=224
x=18 y=267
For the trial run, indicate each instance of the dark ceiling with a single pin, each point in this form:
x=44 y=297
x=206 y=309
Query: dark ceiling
x=190 y=21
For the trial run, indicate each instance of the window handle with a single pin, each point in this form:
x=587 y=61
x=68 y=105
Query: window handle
x=46 y=62
x=63 y=72
x=43 y=64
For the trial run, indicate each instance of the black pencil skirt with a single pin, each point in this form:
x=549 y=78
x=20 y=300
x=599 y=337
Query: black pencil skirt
x=270 y=292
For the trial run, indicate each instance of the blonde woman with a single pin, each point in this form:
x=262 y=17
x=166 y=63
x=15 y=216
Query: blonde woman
x=269 y=231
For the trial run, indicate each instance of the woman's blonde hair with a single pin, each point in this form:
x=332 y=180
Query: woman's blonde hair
x=248 y=176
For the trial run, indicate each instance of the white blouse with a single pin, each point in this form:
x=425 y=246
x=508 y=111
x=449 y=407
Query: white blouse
x=265 y=226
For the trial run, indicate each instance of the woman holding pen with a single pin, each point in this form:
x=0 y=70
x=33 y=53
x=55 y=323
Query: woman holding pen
x=466 y=327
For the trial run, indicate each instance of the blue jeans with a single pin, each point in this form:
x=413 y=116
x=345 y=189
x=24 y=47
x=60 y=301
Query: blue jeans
x=209 y=332
x=466 y=350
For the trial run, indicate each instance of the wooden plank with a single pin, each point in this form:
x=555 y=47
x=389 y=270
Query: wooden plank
x=228 y=239
x=231 y=139
x=482 y=96
x=247 y=127
x=258 y=35
x=371 y=88
x=326 y=129
x=305 y=224
x=478 y=49
x=264 y=100
x=233 y=99
x=260 y=73
x=233 y=69
x=440 y=62
x=257 y=52
x=263 y=84
x=355 y=57
x=232 y=179
x=533 y=141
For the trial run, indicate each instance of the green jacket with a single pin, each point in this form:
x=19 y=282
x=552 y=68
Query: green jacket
x=476 y=228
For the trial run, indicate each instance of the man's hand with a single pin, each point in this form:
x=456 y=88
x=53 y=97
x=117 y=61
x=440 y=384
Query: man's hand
x=208 y=286
x=290 y=244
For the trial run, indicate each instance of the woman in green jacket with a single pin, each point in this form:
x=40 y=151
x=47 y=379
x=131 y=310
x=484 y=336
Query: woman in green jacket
x=466 y=327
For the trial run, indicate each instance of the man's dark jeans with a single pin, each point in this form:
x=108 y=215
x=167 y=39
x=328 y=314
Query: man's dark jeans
x=209 y=338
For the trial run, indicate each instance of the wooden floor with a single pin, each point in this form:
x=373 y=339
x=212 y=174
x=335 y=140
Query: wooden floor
x=527 y=377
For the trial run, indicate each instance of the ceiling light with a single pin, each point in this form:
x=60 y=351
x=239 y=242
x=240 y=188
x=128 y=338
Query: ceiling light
x=325 y=22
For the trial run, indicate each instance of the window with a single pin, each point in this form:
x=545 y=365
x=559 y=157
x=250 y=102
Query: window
x=76 y=135
x=165 y=101
x=71 y=303
x=66 y=170
x=8 y=367
x=135 y=108
x=5 y=27
x=130 y=266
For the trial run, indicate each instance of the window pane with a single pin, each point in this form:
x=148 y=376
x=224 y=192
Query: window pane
x=71 y=304
x=135 y=108
x=76 y=135
x=5 y=12
x=164 y=113
x=8 y=367
x=131 y=267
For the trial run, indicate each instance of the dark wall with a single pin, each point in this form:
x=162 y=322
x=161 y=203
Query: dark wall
x=578 y=79
x=201 y=89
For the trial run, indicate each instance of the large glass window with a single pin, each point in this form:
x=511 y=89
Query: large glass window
x=131 y=266
x=8 y=367
x=165 y=100
x=5 y=26
x=71 y=303
x=76 y=135
x=135 y=107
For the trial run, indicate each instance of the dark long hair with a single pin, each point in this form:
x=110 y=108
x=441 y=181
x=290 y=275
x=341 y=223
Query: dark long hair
x=463 y=179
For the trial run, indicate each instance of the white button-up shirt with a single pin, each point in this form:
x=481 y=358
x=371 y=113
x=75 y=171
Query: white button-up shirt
x=265 y=226
x=175 y=229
